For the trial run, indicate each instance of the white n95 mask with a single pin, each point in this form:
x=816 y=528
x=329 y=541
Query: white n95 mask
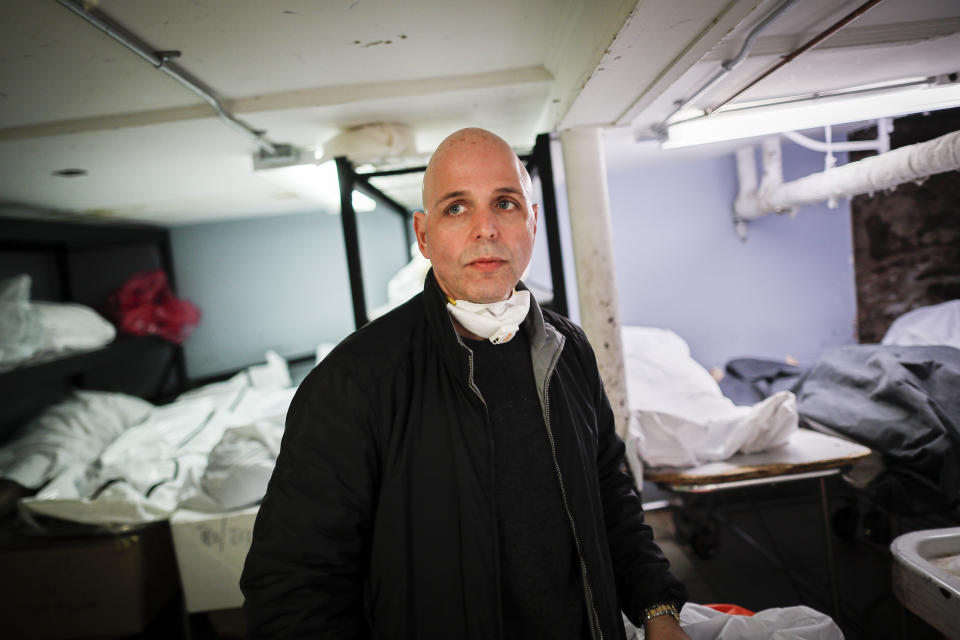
x=497 y=322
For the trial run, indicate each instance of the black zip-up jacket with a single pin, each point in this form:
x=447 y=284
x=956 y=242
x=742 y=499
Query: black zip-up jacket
x=379 y=520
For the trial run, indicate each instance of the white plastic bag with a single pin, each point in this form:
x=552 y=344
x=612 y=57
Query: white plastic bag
x=21 y=334
x=785 y=623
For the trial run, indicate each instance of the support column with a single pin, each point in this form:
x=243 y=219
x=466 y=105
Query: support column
x=589 y=206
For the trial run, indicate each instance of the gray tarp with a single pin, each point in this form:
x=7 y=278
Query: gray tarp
x=901 y=401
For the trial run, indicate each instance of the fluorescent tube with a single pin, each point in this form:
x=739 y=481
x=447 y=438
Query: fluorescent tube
x=758 y=121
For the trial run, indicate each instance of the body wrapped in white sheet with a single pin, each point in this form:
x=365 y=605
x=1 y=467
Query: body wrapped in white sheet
x=70 y=433
x=933 y=325
x=161 y=464
x=406 y=283
x=678 y=415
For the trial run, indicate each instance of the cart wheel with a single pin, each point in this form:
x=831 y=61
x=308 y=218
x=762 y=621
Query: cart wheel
x=846 y=522
x=706 y=540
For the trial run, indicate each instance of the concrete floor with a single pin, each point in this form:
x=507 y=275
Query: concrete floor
x=787 y=520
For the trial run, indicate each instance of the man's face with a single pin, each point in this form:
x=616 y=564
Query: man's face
x=480 y=224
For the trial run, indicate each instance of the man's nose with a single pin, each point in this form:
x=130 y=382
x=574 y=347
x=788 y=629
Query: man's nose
x=485 y=224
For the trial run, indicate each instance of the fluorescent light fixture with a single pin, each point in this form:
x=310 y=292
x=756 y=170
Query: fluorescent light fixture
x=317 y=183
x=766 y=120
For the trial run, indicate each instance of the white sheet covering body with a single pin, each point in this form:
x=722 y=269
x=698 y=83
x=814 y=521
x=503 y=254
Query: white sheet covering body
x=406 y=283
x=678 y=415
x=938 y=324
x=70 y=433
x=162 y=463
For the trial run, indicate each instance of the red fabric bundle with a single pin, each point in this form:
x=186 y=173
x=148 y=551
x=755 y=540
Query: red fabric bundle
x=730 y=609
x=145 y=305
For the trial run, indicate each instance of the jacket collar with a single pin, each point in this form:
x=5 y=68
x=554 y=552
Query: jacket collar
x=453 y=352
x=545 y=341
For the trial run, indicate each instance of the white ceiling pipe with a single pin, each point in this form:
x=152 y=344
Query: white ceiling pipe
x=772 y=165
x=747 y=175
x=746 y=172
x=885 y=171
x=853 y=145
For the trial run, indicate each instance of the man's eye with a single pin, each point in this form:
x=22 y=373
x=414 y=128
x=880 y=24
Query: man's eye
x=455 y=209
x=506 y=204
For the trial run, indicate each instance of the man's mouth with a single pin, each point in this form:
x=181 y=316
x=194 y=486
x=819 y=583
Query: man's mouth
x=486 y=263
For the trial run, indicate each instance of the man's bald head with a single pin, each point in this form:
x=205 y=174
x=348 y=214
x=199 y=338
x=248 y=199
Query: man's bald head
x=479 y=219
x=459 y=146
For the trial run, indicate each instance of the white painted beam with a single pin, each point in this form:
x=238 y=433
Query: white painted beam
x=305 y=98
x=586 y=34
x=659 y=42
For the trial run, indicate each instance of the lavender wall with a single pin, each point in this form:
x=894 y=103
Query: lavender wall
x=788 y=290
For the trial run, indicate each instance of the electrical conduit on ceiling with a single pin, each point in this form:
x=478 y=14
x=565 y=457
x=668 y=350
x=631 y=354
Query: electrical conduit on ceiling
x=727 y=65
x=790 y=57
x=161 y=60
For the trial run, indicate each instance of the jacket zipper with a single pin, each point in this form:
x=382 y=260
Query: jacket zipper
x=588 y=592
x=496 y=544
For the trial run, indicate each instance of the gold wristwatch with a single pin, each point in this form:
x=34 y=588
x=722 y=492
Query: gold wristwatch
x=660 y=610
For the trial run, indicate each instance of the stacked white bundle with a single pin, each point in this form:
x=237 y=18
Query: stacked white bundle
x=678 y=415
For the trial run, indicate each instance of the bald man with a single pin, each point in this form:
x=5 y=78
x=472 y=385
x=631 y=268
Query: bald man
x=451 y=470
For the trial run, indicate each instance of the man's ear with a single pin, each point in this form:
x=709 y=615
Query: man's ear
x=420 y=230
x=536 y=216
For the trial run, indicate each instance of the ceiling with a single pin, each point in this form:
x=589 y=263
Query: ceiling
x=305 y=70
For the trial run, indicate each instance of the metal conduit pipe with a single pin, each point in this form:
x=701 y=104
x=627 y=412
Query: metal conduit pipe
x=787 y=59
x=161 y=60
x=885 y=171
x=727 y=65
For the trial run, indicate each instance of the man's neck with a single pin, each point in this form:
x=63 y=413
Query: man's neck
x=463 y=331
x=460 y=329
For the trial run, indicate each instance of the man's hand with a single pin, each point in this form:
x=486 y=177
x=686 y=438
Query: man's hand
x=664 y=628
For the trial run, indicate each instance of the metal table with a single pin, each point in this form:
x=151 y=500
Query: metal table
x=808 y=454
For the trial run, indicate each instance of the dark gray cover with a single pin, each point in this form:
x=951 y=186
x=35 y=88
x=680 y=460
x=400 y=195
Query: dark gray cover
x=747 y=381
x=903 y=402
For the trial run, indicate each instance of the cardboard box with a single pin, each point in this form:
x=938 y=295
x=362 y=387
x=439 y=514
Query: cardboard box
x=211 y=549
x=85 y=587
